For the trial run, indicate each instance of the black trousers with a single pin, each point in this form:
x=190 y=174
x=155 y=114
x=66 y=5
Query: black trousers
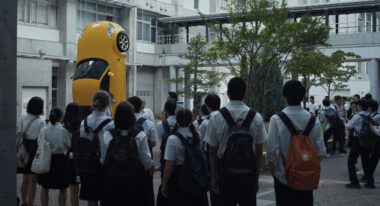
x=339 y=137
x=355 y=152
x=327 y=135
x=237 y=189
x=374 y=160
x=286 y=196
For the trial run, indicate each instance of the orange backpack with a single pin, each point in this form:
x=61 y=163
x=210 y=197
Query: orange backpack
x=302 y=164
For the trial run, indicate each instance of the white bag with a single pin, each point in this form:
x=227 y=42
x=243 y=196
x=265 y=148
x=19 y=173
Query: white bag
x=41 y=162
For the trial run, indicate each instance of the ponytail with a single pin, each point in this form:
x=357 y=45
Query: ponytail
x=196 y=138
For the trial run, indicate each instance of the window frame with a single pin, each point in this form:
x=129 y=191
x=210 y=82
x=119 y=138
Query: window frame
x=91 y=59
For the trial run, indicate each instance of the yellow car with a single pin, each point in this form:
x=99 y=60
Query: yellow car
x=102 y=50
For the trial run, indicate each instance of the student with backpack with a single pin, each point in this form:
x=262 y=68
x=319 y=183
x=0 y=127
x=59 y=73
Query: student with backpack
x=91 y=149
x=185 y=181
x=60 y=141
x=363 y=143
x=295 y=157
x=339 y=107
x=235 y=136
x=126 y=162
x=30 y=126
x=332 y=121
x=71 y=122
x=204 y=114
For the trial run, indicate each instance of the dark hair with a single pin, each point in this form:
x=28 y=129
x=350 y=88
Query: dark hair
x=374 y=105
x=124 y=116
x=173 y=95
x=72 y=118
x=213 y=101
x=326 y=102
x=136 y=102
x=101 y=100
x=337 y=97
x=35 y=106
x=368 y=96
x=345 y=98
x=363 y=103
x=185 y=119
x=170 y=107
x=311 y=97
x=55 y=115
x=236 y=88
x=357 y=96
x=204 y=110
x=293 y=91
x=354 y=102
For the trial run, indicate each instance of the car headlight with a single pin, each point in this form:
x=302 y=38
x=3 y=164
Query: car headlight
x=122 y=42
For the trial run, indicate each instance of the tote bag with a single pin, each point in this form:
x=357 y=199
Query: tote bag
x=41 y=162
x=22 y=156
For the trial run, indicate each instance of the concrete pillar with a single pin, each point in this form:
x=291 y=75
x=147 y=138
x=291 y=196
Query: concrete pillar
x=374 y=78
x=159 y=92
x=172 y=75
x=67 y=17
x=8 y=87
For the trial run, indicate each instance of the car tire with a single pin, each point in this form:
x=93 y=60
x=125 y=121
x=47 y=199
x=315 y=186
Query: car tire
x=122 y=42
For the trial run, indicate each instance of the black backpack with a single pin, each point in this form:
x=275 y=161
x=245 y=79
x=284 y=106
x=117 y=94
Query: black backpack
x=122 y=164
x=164 y=139
x=238 y=157
x=193 y=174
x=87 y=154
x=140 y=122
x=367 y=138
x=333 y=117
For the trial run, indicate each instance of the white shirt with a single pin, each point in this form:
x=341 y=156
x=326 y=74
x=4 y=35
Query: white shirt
x=148 y=114
x=341 y=111
x=279 y=137
x=313 y=107
x=356 y=122
x=160 y=128
x=175 y=150
x=217 y=130
x=324 y=119
x=58 y=137
x=142 y=146
x=35 y=127
x=203 y=118
x=93 y=121
x=148 y=127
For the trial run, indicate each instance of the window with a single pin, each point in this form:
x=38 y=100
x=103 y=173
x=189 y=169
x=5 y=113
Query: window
x=196 y=4
x=146 y=27
x=88 y=12
x=90 y=69
x=54 y=86
x=38 y=12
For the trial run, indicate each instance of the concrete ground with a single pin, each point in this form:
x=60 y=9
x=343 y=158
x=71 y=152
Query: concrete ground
x=331 y=192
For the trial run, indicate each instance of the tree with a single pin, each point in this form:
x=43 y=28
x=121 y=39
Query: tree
x=198 y=80
x=259 y=37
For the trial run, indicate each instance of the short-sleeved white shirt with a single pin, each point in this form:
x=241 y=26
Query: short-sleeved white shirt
x=35 y=127
x=148 y=114
x=217 y=130
x=175 y=150
x=356 y=122
x=57 y=136
x=149 y=128
x=160 y=128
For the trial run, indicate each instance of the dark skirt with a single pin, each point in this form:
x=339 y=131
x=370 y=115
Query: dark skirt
x=55 y=179
x=31 y=148
x=71 y=172
x=91 y=187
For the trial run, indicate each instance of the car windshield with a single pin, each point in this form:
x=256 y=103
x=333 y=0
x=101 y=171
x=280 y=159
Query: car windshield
x=90 y=69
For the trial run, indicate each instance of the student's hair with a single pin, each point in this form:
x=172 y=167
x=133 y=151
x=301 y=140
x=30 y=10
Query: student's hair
x=368 y=96
x=294 y=92
x=125 y=118
x=35 y=106
x=170 y=107
x=173 y=95
x=374 y=105
x=357 y=96
x=136 y=102
x=337 y=98
x=213 y=101
x=236 y=88
x=111 y=95
x=72 y=117
x=311 y=97
x=55 y=115
x=326 y=102
x=204 y=110
x=354 y=102
x=363 y=103
x=185 y=119
x=345 y=98
x=101 y=100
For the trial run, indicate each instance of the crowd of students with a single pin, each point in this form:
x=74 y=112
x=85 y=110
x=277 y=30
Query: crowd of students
x=218 y=153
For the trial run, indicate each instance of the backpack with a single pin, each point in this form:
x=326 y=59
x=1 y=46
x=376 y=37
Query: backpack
x=87 y=154
x=193 y=174
x=140 y=122
x=238 y=157
x=22 y=156
x=164 y=139
x=333 y=117
x=302 y=164
x=367 y=138
x=122 y=164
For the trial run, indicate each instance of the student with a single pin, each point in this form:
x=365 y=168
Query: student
x=147 y=113
x=279 y=139
x=91 y=184
x=60 y=141
x=313 y=107
x=339 y=107
x=373 y=106
x=368 y=96
x=356 y=98
x=235 y=188
x=169 y=110
x=204 y=115
x=71 y=122
x=119 y=189
x=175 y=157
x=356 y=149
x=30 y=124
x=112 y=102
x=352 y=110
x=172 y=96
x=330 y=117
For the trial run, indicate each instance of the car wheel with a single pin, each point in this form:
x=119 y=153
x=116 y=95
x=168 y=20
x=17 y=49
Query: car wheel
x=122 y=42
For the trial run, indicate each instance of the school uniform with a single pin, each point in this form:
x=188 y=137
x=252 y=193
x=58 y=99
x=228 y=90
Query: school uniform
x=175 y=151
x=30 y=138
x=60 y=141
x=329 y=130
x=279 y=138
x=313 y=108
x=341 y=133
x=148 y=114
x=92 y=185
x=72 y=174
x=235 y=189
x=160 y=128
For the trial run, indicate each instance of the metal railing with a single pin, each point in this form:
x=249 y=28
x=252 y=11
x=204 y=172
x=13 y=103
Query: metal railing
x=355 y=27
